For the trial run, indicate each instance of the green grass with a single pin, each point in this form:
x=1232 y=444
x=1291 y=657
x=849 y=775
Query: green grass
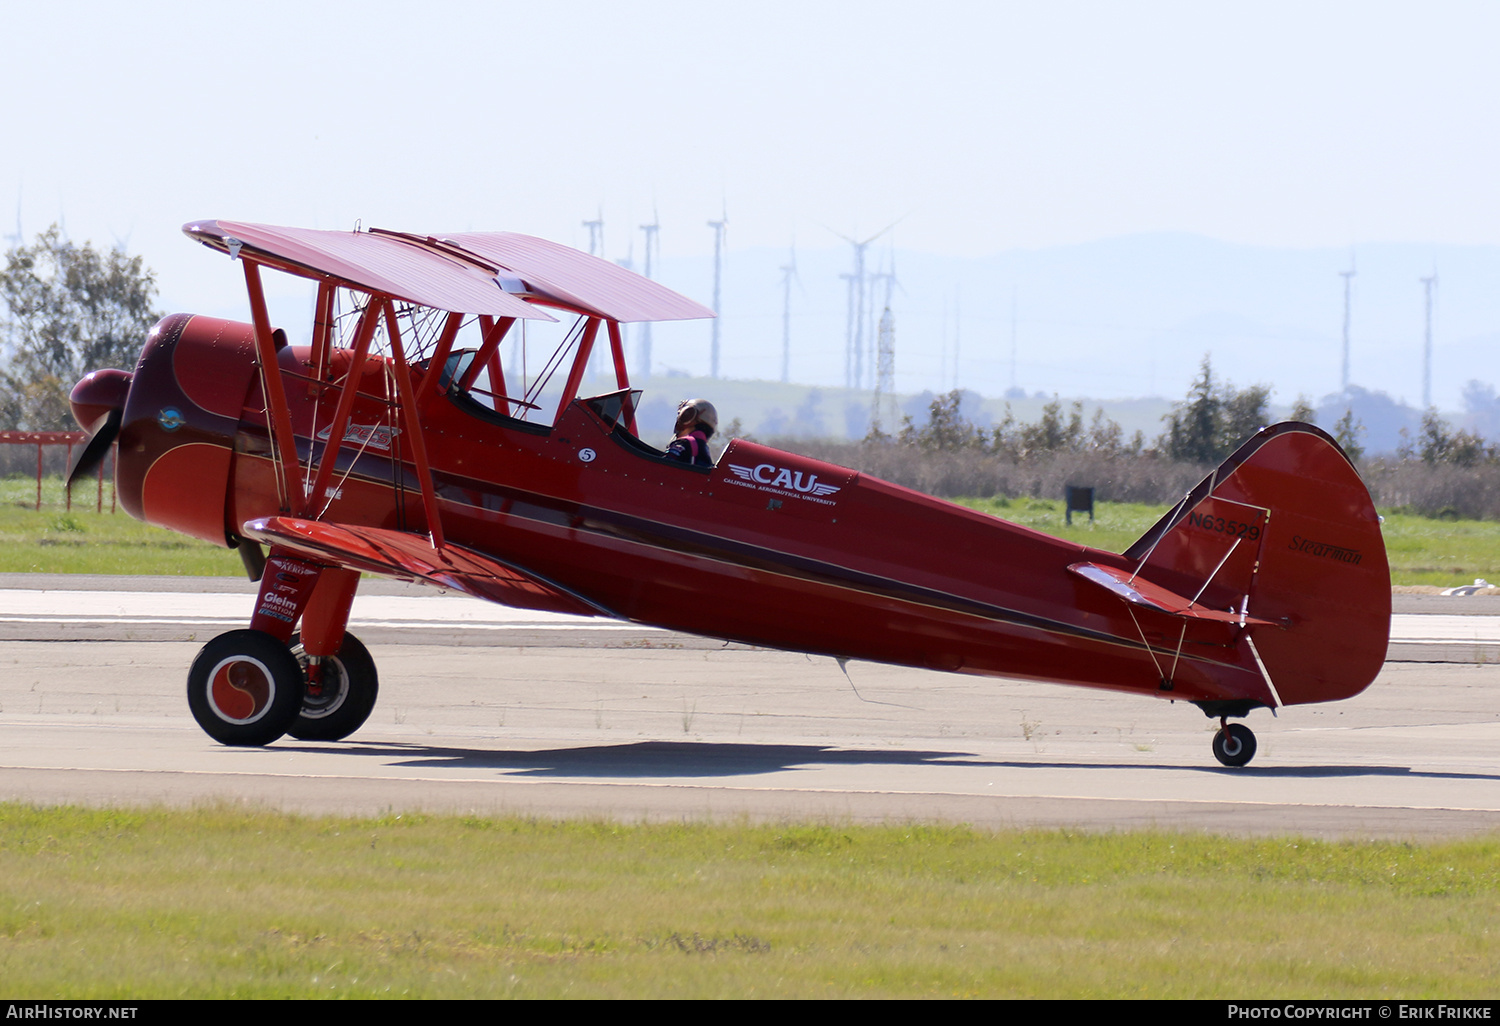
x=226 y=903
x=1115 y=526
x=1421 y=550
x=1442 y=552
x=54 y=540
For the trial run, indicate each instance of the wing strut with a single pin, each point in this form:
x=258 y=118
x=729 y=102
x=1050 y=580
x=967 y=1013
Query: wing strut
x=336 y=428
x=279 y=418
x=426 y=388
x=622 y=376
x=322 y=341
x=585 y=350
x=407 y=403
x=494 y=333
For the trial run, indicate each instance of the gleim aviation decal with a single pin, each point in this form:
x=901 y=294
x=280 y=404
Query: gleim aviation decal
x=797 y=484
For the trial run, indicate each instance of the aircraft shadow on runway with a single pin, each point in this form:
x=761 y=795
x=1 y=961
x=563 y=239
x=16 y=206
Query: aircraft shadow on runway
x=703 y=759
x=653 y=759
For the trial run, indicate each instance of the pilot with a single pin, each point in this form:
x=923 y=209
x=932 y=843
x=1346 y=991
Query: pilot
x=697 y=420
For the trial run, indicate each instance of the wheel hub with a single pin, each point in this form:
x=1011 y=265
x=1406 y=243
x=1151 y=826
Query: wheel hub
x=241 y=690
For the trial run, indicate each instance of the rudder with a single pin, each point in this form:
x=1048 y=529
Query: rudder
x=1285 y=531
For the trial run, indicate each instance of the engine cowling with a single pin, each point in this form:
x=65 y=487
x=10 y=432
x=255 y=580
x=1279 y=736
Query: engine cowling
x=179 y=414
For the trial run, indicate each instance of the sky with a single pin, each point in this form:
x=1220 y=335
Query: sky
x=974 y=128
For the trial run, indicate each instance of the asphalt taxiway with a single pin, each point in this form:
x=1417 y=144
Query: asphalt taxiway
x=493 y=710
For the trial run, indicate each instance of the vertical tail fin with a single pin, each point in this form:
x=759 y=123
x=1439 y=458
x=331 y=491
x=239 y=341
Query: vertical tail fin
x=1285 y=531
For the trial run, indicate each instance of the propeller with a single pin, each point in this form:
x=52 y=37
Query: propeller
x=98 y=403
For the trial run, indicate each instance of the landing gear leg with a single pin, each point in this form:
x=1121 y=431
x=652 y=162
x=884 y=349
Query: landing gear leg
x=341 y=684
x=1234 y=744
x=339 y=692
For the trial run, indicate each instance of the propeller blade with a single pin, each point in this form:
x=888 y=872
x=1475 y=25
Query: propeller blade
x=103 y=435
x=253 y=556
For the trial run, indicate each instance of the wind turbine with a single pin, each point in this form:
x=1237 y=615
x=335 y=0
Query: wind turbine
x=788 y=272
x=718 y=227
x=1348 y=277
x=651 y=243
x=854 y=374
x=599 y=365
x=1428 y=284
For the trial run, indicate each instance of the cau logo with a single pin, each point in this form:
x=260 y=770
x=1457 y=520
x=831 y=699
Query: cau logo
x=781 y=478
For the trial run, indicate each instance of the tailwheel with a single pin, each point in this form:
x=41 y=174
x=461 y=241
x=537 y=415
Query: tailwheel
x=244 y=688
x=341 y=698
x=1234 y=744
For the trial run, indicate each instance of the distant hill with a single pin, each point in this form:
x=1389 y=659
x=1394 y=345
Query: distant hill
x=768 y=409
x=1118 y=319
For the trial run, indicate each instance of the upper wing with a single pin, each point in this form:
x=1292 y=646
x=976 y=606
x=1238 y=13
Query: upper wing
x=369 y=261
x=466 y=272
x=410 y=557
x=560 y=272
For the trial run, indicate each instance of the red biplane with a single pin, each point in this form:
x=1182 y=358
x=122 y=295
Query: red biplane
x=402 y=442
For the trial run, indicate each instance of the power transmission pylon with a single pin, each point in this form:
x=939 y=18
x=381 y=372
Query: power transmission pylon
x=596 y=234
x=885 y=354
x=885 y=374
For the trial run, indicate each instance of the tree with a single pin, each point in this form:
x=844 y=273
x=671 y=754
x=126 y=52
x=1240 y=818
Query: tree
x=1440 y=445
x=946 y=429
x=1050 y=434
x=1347 y=433
x=1192 y=433
x=70 y=310
x=1244 y=414
x=1213 y=420
x=1105 y=435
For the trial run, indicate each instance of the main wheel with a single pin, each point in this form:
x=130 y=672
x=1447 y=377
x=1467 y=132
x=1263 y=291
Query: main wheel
x=1234 y=744
x=245 y=688
x=346 y=697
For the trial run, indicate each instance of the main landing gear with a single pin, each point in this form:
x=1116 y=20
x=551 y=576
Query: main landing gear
x=247 y=688
x=343 y=697
x=1234 y=744
x=250 y=687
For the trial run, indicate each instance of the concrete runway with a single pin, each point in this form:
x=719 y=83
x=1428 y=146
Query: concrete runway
x=492 y=710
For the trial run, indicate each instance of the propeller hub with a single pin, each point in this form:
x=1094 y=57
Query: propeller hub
x=98 y=393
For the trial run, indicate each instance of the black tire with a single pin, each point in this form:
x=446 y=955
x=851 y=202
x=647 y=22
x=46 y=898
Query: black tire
x=1234 y=745
x=245 y=688
x=350 y=687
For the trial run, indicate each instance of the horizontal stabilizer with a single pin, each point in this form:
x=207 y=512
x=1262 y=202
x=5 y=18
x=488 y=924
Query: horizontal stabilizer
x=1140 y=592
x=411 y=557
